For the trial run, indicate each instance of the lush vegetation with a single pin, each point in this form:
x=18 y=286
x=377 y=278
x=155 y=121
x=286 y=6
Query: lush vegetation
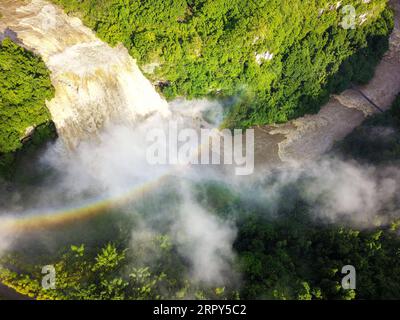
x=24 y=86
x=288 y=255
x=194 y=48
x=208 y=47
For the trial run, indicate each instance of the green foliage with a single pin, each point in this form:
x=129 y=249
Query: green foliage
x=144 y=284
x=208 y=47
x=30 y=148
x=79 y=251
x=305 y=263
x=24 y=87
x=288 y=255
x=108 y=259
x=7 y=164
x=107 y=276
x=279 y=258
x=195 y=48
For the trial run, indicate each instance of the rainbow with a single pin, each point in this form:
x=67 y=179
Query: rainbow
x=90 y=209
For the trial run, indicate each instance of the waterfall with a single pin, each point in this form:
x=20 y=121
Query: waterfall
x=95 y=83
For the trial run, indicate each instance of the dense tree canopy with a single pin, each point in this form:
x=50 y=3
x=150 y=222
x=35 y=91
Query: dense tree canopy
x=203 y=47
x=281 y=58
x=288 y=255
x=24 y=86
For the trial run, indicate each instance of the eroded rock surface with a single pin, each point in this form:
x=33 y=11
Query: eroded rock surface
x=95 y=83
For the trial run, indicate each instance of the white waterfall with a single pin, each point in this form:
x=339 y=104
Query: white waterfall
x=95 y=83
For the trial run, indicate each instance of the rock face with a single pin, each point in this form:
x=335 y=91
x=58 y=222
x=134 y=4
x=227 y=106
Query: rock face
x=95 y=83
x=308 y=137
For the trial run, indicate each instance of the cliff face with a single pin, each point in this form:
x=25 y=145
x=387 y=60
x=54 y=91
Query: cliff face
x=95 y=83
x=308 y=137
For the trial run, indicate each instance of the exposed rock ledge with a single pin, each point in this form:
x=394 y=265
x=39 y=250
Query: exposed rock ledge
x=95 y=83
x=305 y=138
x=308 y=137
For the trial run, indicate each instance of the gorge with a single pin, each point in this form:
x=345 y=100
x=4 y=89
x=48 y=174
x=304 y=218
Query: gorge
x=94 y=187
x=95 y=84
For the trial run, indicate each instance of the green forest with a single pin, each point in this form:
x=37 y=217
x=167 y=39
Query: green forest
x=196 y=48
x=24 y=87
x=290 y=255
x=208 y=48
x=273 y=60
